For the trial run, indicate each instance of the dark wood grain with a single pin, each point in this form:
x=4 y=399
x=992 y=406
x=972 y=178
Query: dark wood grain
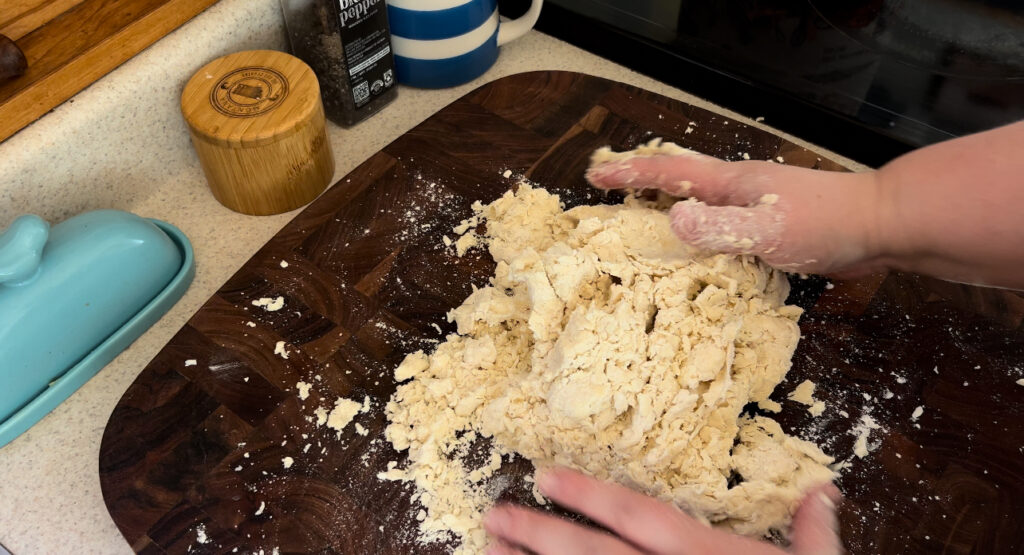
x=367 y=281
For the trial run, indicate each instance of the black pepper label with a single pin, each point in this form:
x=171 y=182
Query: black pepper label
x=367 y=44
x=249 y=91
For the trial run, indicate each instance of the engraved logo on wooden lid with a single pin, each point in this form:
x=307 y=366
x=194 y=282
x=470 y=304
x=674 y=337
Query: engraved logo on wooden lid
x=249 y=91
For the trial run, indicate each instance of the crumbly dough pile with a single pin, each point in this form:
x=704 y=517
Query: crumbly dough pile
x=604 y=345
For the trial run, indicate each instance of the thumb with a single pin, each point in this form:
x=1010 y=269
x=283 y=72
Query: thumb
x=815 y=526
x=728 y=229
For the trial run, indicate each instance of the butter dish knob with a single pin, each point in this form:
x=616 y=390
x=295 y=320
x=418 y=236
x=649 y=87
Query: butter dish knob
x=21 y=248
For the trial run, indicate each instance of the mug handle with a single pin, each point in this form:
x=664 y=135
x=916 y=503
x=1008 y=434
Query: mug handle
x=509 y=31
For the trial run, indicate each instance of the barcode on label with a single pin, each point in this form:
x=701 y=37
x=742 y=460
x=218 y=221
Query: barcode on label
x=361 y=92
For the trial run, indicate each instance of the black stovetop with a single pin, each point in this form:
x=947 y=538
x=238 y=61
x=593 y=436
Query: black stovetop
x=869 y=79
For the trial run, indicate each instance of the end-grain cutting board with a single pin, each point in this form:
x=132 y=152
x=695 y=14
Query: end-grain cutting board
x=71 y=43
x=200 y=446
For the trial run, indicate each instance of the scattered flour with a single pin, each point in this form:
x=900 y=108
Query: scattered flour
x=604 y=345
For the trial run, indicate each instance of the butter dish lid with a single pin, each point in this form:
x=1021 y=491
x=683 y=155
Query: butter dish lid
x=73 y=297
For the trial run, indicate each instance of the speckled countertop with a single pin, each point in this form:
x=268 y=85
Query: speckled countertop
x=122 y=144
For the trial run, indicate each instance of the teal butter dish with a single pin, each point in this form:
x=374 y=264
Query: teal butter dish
x=74 y=296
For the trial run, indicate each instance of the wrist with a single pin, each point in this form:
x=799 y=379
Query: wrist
x=887 y=233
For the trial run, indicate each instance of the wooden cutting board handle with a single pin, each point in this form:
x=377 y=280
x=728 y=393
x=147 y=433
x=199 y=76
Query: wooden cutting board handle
x=257 y=124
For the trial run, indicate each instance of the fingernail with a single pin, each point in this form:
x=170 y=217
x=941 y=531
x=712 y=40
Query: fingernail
x=548 y=482
x=826 y=500
x=610 y=172
x=830 y=518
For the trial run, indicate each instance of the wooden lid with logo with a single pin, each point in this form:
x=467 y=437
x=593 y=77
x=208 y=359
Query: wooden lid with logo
x=257 y=124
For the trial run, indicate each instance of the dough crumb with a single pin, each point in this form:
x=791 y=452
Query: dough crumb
x=321 y=416
x=287 y=462
x=303 y=388
x=259 y=511
x=342 y=413
x=284 y=263
x=1020 y=381
x=201 y=534
x=804 y=394
x=917 y=413
x=466 y=242
x=654 y=147
x=270 y=305
x=190 y=362
x=507 y=174
x=863 y=431
x=361 y=430
x=280 y=350
x=603 y=344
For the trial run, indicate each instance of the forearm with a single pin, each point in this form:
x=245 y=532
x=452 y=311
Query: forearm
x=956 y=209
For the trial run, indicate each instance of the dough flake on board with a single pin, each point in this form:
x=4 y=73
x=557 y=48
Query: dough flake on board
x=804 y=394
x=603 y=345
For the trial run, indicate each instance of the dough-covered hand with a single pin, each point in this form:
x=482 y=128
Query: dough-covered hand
x=794 y=218
x=950 y=210
x=641 y=524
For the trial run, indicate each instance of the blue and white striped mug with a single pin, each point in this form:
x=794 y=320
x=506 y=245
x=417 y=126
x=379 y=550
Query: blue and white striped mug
x=443 y=43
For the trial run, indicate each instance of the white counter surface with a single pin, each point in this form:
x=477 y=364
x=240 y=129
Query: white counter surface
x=122 y=144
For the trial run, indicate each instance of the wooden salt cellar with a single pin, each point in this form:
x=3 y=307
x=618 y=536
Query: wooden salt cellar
x=257 y=124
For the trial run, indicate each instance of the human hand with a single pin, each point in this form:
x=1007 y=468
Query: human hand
x=643 y=524
x=795 y=219
x=950 y=209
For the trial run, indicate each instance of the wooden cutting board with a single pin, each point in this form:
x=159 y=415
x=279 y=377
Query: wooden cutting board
x=70 y=44
x=367 y=281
